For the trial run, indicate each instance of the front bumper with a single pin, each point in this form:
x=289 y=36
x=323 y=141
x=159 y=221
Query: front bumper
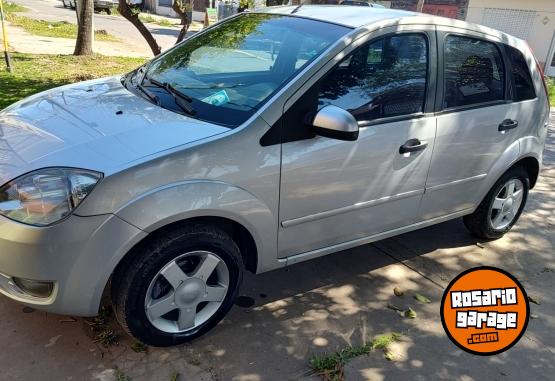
x=77 y=255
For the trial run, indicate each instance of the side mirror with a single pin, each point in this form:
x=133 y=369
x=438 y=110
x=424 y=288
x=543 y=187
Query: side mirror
x=335 y=123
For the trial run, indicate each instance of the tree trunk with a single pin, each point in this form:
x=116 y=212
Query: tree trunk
x=182 y=34
x=133 y=17
x=179 y=8
x=85 y=32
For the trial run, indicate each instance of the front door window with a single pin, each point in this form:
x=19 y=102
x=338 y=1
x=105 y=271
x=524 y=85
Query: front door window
x=385 y=78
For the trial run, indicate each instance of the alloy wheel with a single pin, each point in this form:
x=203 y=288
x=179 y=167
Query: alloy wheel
x=187 y=292
x=506 y=204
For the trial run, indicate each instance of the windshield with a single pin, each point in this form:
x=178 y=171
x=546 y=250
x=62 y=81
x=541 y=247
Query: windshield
x=227 y=72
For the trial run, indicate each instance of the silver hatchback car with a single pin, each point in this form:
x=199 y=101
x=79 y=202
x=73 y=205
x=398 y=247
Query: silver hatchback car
x=268 y=139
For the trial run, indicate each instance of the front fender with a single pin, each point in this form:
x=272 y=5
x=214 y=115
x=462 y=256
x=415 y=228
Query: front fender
x=204 y=198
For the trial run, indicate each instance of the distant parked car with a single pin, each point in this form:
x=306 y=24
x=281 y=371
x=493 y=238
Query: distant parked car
x=108 y=5
x=105 y=5
x=69 y=4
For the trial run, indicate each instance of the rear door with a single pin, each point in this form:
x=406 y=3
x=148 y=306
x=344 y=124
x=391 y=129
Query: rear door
x=475 y=123
x=336 y=191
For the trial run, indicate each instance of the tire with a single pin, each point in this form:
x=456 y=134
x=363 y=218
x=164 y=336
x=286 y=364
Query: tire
x=482 y=223
x=148 y=279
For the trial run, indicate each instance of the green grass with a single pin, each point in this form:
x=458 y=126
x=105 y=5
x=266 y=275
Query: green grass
x=551 y=90
x=154 y=20
x=331 y=367
x=36 y=72
x=13 y=7
x=148 y=18
x=61 y=29
x=120 y=376
x=138 y=347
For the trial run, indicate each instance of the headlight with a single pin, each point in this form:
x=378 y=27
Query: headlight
x=47 y=195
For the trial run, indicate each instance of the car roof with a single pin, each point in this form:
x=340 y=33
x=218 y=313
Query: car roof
x=353 y=16
x=358 y=17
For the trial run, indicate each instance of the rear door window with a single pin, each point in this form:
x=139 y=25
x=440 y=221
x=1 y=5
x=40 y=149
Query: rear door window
x=474 y=72
x=524 y=86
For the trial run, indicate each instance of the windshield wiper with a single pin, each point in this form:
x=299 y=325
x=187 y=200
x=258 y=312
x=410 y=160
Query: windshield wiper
x=212 y=86
x=181 y=99
x=154 y=98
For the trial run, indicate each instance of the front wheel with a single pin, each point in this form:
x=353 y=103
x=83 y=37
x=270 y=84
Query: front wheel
x=502 y=206
x=178 y=286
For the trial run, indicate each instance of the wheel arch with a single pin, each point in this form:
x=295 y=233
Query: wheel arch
x=532 y=167
x=240 y=235
x=250 y=222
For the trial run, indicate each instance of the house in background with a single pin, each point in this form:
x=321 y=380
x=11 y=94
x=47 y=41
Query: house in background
x=531 y=20
x=164 y=8
x=455 y=9
x=159 y=7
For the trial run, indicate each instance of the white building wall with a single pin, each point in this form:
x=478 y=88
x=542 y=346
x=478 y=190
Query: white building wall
x=542 y=26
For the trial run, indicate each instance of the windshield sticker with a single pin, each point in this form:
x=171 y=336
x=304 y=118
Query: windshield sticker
x=217 y=99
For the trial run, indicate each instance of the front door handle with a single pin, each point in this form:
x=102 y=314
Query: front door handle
x=508 y=124
x=413 y=145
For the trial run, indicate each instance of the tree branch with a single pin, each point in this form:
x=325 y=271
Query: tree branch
x=126 y=11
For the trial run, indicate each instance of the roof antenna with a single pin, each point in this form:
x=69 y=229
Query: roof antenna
x=298 y=7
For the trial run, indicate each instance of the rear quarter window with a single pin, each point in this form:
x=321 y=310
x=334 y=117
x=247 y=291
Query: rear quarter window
x=523 y=84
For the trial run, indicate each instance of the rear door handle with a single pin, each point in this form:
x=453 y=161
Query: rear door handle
x=413 y=145
x=507 y=124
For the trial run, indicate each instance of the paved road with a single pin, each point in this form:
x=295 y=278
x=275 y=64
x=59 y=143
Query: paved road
x=52 y=10
x=323 y=305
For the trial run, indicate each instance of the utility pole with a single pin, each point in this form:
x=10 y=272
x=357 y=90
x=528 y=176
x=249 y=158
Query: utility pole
x=5 y=38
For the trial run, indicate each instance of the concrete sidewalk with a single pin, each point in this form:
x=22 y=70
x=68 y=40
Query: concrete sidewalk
x=130 y=42
x=24 y=42
x=324 y=305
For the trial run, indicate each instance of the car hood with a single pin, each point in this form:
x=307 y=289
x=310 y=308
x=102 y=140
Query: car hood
x=97 y=125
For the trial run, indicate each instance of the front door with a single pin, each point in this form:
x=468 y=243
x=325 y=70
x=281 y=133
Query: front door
x=336 y=191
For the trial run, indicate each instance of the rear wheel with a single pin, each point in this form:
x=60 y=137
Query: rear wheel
x=178 y=286
x=502 y=206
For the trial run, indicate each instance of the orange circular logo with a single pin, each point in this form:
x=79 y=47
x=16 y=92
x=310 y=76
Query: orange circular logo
x=485 y=310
